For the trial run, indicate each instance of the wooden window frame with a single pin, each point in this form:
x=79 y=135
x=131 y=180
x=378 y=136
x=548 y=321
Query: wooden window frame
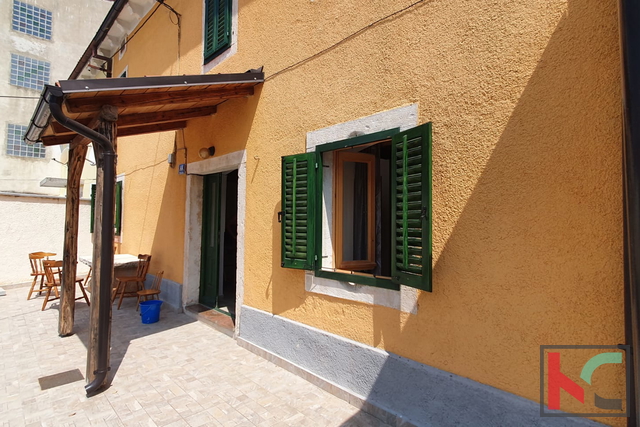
x=343 y=275
x=340 y=157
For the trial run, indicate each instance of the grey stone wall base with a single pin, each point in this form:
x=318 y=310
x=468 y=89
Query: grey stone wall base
x=170 y=293
x=357 y=401
x=394 y=389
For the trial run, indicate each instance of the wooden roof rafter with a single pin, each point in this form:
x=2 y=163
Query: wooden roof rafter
x=144 y=104
x=136 y=119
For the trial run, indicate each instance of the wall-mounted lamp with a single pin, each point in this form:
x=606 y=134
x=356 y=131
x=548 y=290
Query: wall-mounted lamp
x=207 y=152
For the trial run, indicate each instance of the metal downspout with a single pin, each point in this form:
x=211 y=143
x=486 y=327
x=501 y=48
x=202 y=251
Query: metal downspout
x=108 y=165
x=629 y=15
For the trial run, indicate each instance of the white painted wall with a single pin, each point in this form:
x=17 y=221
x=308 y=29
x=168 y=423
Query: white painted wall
x=74 y=23
x=32 y=224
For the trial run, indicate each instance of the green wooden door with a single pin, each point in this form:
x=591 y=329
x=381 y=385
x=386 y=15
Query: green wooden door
x=210 y=263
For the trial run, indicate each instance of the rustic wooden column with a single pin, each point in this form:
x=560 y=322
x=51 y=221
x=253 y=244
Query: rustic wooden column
x=77 y=156
x=107 y=127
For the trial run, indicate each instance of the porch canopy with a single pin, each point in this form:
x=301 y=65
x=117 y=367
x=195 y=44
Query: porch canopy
x=144 y=104
x=78 y=112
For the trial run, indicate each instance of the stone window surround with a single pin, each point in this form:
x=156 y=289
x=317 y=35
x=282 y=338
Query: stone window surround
x=405 y=300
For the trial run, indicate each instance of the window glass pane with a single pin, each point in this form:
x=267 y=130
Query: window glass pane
x=31 y=20
x=355 y=211
x=28 y=72
x=17 y=147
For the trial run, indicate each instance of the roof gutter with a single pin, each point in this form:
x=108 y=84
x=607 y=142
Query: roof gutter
x=92 y=49
x=106 y=160
x=629 y=15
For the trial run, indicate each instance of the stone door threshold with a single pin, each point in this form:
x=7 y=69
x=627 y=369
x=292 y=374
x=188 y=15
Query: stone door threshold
x=210 y=317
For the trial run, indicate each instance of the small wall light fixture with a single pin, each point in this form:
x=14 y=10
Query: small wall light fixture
x=207 y=152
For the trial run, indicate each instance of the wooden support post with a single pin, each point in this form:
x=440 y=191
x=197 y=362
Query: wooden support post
x=77 y=156
x=107 y=127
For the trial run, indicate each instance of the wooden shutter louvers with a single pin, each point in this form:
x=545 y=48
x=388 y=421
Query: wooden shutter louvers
x=411 y=193
x=217 y=27
x=298 y=214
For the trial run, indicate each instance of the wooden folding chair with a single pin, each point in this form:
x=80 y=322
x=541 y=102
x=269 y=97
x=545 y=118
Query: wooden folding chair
x=138 y=280
x=53 y=280
x=153 y=291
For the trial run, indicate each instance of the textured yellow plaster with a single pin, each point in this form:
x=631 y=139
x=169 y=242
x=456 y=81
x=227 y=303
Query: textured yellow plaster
x=525 y=103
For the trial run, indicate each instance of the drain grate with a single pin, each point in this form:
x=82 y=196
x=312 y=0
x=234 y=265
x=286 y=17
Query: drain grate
x=62 y=378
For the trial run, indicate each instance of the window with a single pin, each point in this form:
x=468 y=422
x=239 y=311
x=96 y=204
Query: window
x=28 y=72
x=123 y=47
x=17 y=147
x=217 y=27
x=31 y=20
x=370 y=196
x=118 y=213
x=354 y=210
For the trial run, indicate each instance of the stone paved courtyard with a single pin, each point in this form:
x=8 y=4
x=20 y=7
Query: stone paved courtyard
x=177 y=372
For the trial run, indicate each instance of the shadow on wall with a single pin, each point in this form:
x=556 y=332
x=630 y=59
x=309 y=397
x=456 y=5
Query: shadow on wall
x=282 y=298
x=535 y=256
x=228 y=130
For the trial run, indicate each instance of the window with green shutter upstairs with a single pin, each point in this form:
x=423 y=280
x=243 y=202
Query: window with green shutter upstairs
x=298 y=210
x=217 y=31
x=411 y=212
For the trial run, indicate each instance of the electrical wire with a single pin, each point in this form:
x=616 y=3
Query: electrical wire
x=344 y=40
x=179 y=24
x=19 y=97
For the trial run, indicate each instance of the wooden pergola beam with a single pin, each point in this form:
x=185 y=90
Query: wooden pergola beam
x=107 y=127
x=127 y=120
x=86 y=105
x=81 y=139
x=77 y=157
x=49 y=141
x=128 y=131
x=160 y=127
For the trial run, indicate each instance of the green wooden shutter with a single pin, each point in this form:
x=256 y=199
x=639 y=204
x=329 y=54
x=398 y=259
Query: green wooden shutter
x=298 y=210
x=93 y=207
x=411 y=213
x=118 y=215
x=217 y=32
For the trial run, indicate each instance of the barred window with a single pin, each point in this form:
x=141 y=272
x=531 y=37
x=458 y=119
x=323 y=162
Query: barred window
x=31 y=20
x=29 y=72
x=17 y=147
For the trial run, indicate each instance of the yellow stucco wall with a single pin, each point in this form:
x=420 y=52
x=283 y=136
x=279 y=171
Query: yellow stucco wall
x=525 y=103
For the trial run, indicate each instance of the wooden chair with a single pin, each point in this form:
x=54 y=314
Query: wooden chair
x=53 y=280
x=153 y=291
x=138 y=280
x=86 y=280
x=37 y=272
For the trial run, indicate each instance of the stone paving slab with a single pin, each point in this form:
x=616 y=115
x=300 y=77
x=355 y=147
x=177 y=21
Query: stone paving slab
x=177 y=372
